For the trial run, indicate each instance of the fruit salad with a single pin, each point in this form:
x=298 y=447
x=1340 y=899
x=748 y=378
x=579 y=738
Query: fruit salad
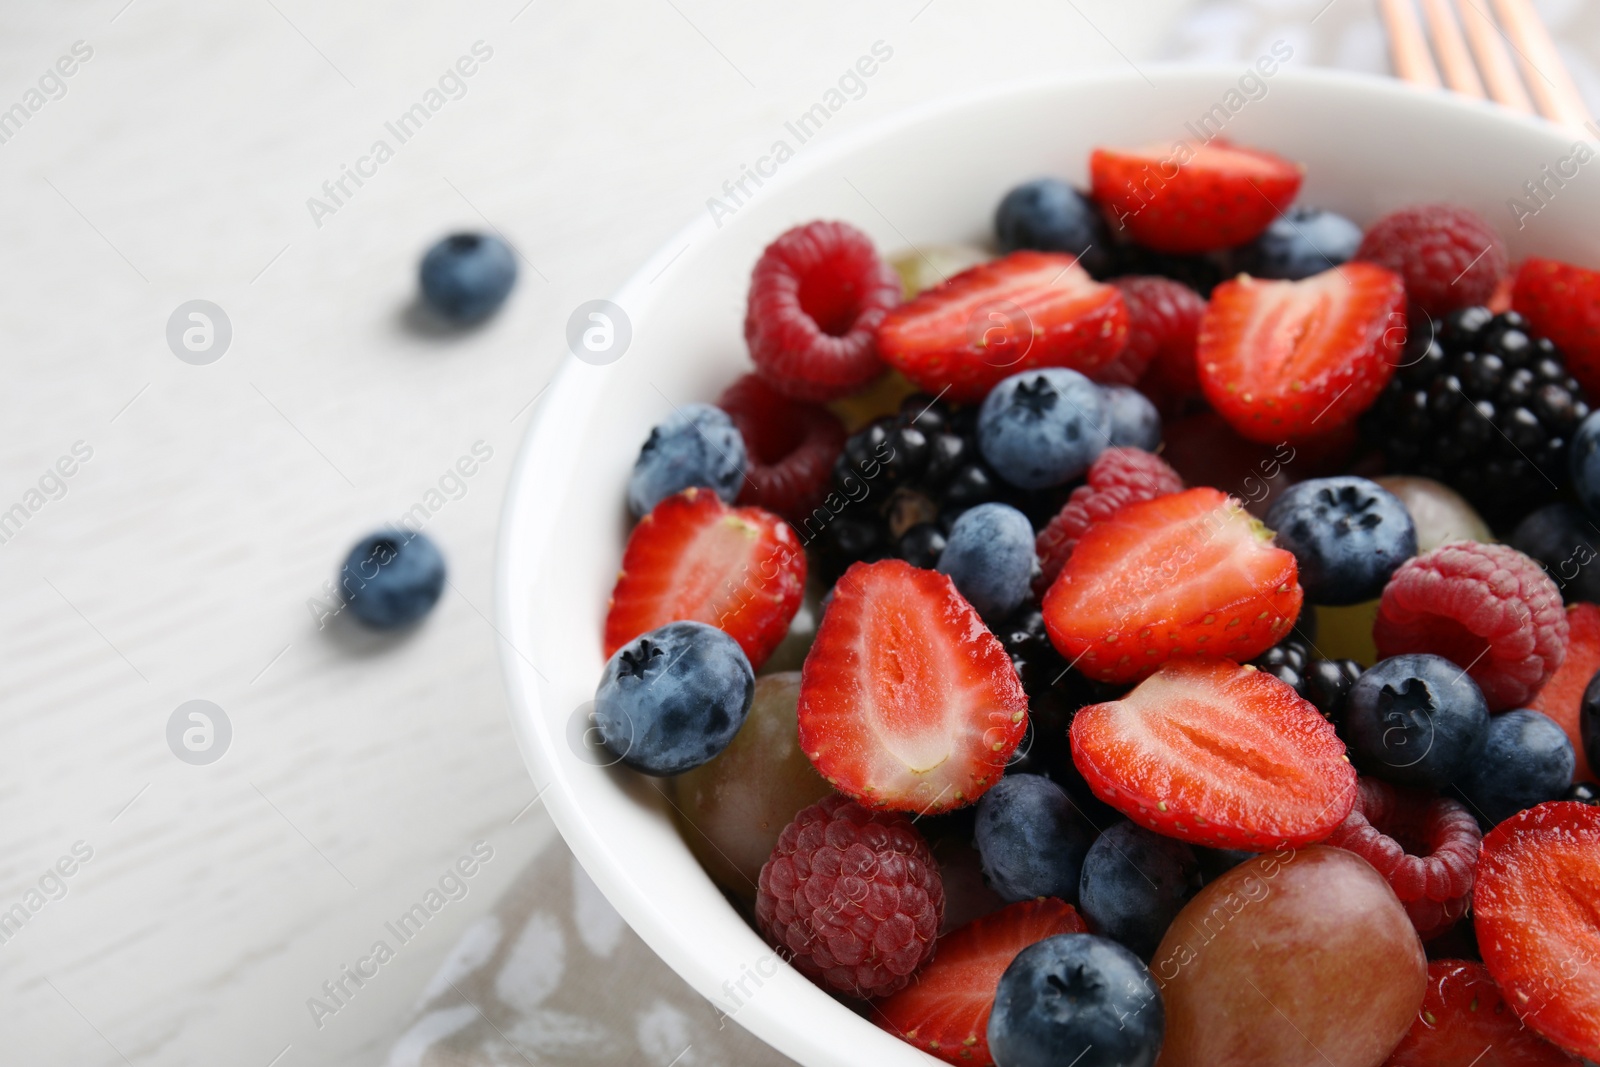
x=1200 y=646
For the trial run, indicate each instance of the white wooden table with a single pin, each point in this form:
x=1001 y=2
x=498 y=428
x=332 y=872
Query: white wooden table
x=207 y=504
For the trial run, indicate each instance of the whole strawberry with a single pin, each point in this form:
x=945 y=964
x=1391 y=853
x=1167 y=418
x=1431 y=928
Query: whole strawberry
x=852 y=898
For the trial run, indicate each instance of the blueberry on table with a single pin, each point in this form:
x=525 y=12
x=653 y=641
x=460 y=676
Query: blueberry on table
x=392 y=578
x=1299 y=243
x=1043 y=428
x=466 y=276
x=1049 y=215
x=1076 y=999
x=1348 y=535
x=1135 y=422
x=990 y=556
x=1134 y=883
x=697 y=445
x=673 y=698
x=1526 y=760
x=1031 y=839
x=1415 y=720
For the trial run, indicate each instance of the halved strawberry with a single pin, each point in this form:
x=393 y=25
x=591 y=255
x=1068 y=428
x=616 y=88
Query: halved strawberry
x=945 y=1010
x=906 y=701
x=1190 y=574
x=1025 y=311
x=1281 y=360
x=1465 y=1022
x=1562 y=302
x=1117 y=478
x=1561 y=698
x=1536 y=909
x=1217 y=754
x=1183 y=198
x=693 y=557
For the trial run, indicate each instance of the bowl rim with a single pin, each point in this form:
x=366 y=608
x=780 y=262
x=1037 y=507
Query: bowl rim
x=566 y=404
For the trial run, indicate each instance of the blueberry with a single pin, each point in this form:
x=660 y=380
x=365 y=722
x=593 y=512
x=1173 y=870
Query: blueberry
x=1348 y=535
x=1585 y=464
x=1584 y=793
x=698 y=445
x=1589 y=723
x=1526 y=760
x=1134 y=884
x=1215 y=862
x=1052 y=216
x=392 y=578
x=1304 y=242
x=1043 y=428
x=1135 y=422
x=466 y=276
x=921 y=545
x=990 y=556
x=1076 y=999
x=674 y=698
x=1415 y=720
x=1563 y=540
x=1031 y=839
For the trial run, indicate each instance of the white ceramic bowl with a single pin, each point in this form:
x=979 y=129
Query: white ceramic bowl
x=929 y=175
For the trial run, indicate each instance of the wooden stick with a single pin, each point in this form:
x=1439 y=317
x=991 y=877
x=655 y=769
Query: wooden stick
x=1547 y=76
x=1451 y=47
x=1494 y=62
x=1409 y=47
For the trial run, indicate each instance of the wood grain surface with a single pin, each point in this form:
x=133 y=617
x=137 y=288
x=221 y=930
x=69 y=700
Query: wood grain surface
x=177 y=561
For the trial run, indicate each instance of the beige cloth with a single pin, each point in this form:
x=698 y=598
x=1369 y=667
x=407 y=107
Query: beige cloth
x=553 y=975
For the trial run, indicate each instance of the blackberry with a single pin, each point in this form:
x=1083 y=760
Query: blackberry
x=1485 y=407
x=1055 y=693
x=901 y=481
x=1323 y=682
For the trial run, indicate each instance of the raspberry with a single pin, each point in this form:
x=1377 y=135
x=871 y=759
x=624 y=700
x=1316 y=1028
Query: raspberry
x=1117 y=478
x=852 y=897
x=1448 y=256
x=1487 y=608
x=1425 y=847
x=1163 y=321
x=791 y=447
x=816 y=297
